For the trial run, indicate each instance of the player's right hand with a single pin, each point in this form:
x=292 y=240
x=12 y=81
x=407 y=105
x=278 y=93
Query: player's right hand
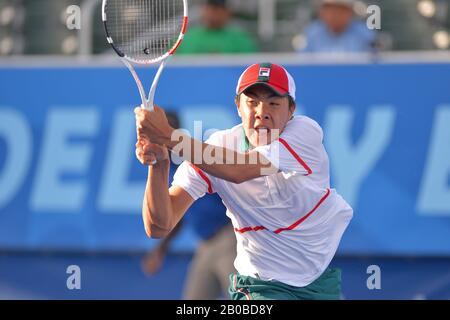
x=149 y=153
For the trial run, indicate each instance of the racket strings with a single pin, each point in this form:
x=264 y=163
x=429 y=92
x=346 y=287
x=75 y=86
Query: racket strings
x=144 y=29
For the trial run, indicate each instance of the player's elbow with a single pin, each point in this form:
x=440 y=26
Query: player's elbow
x=153 y=229
x=155 y=232
x=152 y=234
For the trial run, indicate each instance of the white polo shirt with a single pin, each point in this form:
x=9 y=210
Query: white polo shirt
x=288 y=225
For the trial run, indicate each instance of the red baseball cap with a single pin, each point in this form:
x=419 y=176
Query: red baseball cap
x=272 y=75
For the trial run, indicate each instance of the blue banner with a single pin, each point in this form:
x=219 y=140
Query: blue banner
x=69 y=178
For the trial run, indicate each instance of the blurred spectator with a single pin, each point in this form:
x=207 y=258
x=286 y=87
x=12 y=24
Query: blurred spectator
x=208 y=274
x=338 y=30
x=216 y=35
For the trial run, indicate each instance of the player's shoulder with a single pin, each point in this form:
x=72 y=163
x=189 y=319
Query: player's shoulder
x=302 y=122
x=303 y=127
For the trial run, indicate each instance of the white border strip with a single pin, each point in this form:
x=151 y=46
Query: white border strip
x=110 y=59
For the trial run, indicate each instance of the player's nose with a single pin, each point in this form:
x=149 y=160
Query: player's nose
x=262 y=112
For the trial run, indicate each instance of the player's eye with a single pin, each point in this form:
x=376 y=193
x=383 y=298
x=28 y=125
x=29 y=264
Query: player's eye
x=274 y=103
x=252 y=103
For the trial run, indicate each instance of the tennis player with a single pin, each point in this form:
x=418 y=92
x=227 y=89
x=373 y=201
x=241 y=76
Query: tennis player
x=272 y=173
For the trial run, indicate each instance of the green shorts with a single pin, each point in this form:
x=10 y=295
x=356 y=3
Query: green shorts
x=326 y=287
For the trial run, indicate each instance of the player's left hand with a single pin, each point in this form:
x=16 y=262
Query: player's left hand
x=149 y=153
x=153 y=125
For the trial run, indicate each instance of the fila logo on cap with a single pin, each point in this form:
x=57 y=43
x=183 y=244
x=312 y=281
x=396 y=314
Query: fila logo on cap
x=264 y=72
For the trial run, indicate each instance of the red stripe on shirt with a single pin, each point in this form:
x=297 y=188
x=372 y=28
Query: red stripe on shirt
x=292 y=226
x=204 y=177
x=243 y=230
x=298 y=222
x=296 y=156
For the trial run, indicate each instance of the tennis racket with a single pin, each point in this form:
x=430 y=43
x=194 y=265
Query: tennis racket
x=145 y=32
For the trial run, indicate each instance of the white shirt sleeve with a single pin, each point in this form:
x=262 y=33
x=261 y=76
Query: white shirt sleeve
x=299 y=148
x=192 y=180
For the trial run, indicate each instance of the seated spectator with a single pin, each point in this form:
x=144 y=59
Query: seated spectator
x=216 y=35
x=338 y=30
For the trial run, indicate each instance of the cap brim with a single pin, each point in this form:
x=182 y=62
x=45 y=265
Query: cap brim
x=275 y=89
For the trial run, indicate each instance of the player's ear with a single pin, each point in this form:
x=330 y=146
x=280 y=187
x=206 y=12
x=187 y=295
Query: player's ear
x=237 y=103
x=292 y=107
x=292 y=110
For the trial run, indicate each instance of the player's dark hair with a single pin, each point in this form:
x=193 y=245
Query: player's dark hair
x=292 y=103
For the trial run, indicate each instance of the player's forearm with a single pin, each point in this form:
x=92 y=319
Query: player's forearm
x=221 y=162
x=225 y=164
x=157 y=207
